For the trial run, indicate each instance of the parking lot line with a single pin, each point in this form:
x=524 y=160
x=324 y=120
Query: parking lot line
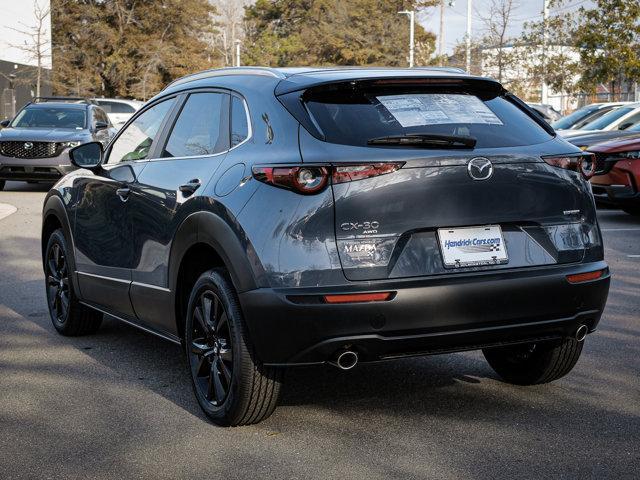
x=6 y=210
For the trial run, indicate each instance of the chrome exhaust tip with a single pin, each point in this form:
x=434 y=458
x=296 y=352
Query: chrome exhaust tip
x=581 y=333
x=346 y=360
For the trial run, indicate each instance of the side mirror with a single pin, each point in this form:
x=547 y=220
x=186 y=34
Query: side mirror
x=5 y=123
x=101 y=125
x=624 y=126
x=87 y=155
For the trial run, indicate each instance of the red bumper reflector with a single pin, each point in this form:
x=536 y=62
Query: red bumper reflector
x=358 y=297
x=585 y=277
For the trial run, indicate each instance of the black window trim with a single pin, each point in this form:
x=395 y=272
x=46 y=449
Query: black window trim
x=247 y=114
x=152 y=149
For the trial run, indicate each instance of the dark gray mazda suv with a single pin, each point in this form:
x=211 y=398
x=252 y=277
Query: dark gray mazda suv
x=35 y=145
x=268 y=218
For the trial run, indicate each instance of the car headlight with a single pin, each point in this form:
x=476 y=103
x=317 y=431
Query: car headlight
x=632 y=154
x=69 y=144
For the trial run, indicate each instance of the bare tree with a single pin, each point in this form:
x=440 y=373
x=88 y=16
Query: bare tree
x=230 y=24
x=497 y=19
x=37 y=45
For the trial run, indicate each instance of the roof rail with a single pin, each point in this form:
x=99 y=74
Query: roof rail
x=443 y=69
x=219 y=72
x=88 y=101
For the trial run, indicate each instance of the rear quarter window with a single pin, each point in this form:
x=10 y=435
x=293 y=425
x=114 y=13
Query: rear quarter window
x=349 y=115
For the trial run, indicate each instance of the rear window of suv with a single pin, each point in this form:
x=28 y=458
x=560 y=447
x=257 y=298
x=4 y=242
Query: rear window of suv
x=352 y=115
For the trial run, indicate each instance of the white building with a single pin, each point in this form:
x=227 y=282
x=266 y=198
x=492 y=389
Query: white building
x=19 y=25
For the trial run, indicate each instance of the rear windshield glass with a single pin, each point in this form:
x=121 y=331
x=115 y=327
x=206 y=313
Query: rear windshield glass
x=352 y=115
x=50 y=117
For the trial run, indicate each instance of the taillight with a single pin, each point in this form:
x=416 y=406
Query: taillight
x=350 y=173
x=308 y=179
x=304 y=180
x=584 y=163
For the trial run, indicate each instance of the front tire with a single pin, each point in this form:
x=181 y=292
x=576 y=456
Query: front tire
x=231 y=385
x=68 y=315
x=534 y=363
x=2 y=184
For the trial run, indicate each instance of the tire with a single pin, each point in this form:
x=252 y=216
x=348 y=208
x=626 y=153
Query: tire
x=635 y=211
x=68 y=315
x=2 y=184
x=231 y=385
x=534 y=363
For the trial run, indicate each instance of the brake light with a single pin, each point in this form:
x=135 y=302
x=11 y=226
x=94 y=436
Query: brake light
x=358 y=297
x=584 y=163
x=351 y=173
x=309 y=179
x=585 y=277
x=305 y=180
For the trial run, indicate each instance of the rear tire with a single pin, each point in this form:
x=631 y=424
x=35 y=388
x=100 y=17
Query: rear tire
x=231 y=385
x=635 y=211
x=68 y=315
x=534 y=363
x=2 y=184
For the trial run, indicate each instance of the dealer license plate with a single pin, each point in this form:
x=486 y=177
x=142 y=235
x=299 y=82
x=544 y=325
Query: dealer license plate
x=471 y=246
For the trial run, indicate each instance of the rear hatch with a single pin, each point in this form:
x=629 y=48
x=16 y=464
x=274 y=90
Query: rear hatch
x=469 y=190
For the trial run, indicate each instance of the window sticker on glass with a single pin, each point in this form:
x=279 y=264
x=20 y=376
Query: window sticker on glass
x=437 y=108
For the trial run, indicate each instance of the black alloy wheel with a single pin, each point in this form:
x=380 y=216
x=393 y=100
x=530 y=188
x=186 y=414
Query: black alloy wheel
x=232 y=386
x=211 y=349
x=57 y=284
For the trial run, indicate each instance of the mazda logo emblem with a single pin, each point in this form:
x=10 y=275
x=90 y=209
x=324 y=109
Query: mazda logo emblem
x=28 y=145
x=480 y=168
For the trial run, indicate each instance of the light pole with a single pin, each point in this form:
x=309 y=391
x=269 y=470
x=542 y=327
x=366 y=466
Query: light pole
x=412 y=17
x=468 y=39
x=544 y=94
x=237 y=52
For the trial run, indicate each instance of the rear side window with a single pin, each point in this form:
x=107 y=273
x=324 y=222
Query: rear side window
x=352 y=116
x=202 y=127
x=239 y=124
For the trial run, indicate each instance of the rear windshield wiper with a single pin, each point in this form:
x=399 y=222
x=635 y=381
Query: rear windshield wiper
x=426 y=140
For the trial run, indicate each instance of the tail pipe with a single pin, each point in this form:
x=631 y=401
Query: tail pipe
x=581 y=333
x=345 y=360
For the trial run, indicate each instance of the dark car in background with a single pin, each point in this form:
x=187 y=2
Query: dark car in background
x=270 y=218
x=617 y=182
x=35 y=145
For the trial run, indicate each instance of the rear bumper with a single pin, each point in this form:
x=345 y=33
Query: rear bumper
x=434 y=315
x=43 y=169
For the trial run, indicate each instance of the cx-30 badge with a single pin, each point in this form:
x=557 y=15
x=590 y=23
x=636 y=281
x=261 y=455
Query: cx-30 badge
x=480 y=168
x=28 y=145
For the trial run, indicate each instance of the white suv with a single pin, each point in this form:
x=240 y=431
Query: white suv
x=119 y=110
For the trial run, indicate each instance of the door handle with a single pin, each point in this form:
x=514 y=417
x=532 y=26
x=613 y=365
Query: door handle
x=190 y=187
x=123 y=193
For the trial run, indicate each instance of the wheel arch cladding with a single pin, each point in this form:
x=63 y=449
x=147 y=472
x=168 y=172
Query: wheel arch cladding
x=205 y=241
x=54 y=216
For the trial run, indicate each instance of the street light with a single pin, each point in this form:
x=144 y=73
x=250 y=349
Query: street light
x=237 y=52
x=412 y=16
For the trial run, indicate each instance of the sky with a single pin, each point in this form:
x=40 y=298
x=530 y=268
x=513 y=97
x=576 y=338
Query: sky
x=18 y=15
x=456 y=17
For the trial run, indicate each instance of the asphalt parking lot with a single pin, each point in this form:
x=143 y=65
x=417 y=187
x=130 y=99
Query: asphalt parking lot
x=119 y=403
